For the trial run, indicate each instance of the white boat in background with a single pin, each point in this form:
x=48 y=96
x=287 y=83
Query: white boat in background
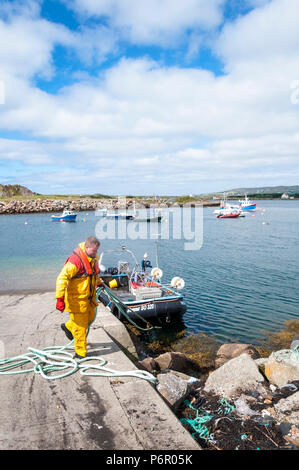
x=225 y=207
x=245 y=205
x=101 y=212
x=133 y=216
x=156 y=217
x=119 y=215
x=229 y=213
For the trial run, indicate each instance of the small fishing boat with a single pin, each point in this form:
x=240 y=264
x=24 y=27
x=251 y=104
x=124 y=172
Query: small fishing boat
x=246 y=204
x=155 y=217
x=119 y=215
x=130 y=291
x=229 y=213
x=66 y=216
x=101 y=212
x=225 y=207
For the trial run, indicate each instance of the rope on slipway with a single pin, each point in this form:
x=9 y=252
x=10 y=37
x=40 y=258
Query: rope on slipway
x=57 y=359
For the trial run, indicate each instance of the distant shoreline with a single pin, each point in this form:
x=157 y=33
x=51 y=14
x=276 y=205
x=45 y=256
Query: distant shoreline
x=36 y=205
x=40 y=205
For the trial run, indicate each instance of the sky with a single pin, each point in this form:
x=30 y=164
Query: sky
x=143 y=97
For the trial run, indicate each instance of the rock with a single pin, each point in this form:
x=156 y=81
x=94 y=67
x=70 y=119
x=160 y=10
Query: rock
x=295 y=343
x=174 y=389
x=287 y=409
x=242 y=409
x=282 y=367
x=176 y=361
x=271 y=411
x=229 y=351
x=237 y=375
x=285 y=427
x=253 y=394
x=188 y=378
x=148 y=364
x=268 y=401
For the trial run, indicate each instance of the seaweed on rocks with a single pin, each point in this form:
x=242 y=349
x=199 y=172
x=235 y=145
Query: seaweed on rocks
x=215 y=424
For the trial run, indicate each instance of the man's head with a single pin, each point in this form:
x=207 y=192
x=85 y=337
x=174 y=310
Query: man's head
x=92 y=245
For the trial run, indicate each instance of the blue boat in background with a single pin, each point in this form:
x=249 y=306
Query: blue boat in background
x=247 y=205
x=66 y=216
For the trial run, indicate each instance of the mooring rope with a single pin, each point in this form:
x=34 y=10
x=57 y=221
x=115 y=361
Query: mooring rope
x=123 y=309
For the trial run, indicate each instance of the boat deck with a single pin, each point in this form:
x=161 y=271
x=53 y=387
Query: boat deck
x=161 y=304
x=123 y=292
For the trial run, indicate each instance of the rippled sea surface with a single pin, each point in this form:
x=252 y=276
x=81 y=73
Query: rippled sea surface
x=242 y=281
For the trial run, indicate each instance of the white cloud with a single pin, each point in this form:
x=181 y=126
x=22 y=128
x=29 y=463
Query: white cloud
x=158 y=112
x=2 y=92
x=94 y=44
x=153 y=21
x=26 y=46
x=24 y=8
x=32 y=153
x=268 y=33
x=140 y=118
x=27 y=42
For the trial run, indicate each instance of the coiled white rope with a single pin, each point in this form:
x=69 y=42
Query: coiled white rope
x=56 y=358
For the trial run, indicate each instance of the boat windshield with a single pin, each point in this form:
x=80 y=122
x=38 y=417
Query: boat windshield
x=113 y=257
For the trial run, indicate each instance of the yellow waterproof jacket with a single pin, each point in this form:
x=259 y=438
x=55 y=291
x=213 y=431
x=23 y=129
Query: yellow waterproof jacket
x=77 y=286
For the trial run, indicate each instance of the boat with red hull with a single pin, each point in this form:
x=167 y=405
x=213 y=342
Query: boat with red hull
x=229 y=215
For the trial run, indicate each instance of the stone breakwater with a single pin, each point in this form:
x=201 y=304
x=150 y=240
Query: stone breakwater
x=57 y=205
x=50 y=205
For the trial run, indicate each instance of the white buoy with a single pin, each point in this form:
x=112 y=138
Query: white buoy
x=177 y=282
x=156 y=273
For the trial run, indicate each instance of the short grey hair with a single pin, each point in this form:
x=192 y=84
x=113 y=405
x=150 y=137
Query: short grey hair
x=90 y=241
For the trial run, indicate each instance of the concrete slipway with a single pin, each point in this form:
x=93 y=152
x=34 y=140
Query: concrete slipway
x=78 y=412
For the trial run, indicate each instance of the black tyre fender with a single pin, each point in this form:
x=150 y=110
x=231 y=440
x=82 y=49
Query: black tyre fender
x=115 y=310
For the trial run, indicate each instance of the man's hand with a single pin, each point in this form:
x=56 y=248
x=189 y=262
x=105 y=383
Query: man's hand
x=100 y=282
x=60 y=305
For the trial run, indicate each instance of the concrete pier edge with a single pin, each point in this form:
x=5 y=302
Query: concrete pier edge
x=79 y=412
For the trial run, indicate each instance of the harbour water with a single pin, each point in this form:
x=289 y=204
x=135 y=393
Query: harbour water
x=241 y=282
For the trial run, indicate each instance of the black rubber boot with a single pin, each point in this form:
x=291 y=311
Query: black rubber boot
x=77 y=356
x=67 y=332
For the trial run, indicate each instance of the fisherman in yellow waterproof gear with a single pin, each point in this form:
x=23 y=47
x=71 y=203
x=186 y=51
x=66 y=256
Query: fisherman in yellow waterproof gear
x=76 y=292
